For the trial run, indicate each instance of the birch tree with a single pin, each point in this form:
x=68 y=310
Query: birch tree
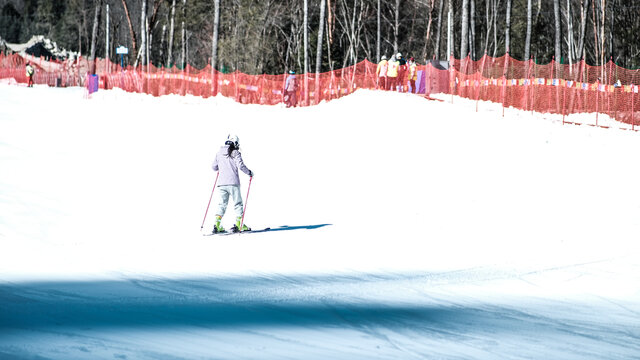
x=464 y=34
x=558 y=33
x=429 y=21
x=450 y=29
x=143 y=32
x=171 y=30
x=131 y=32
x=396 y=28
x=527 y=41
x=378 y=34
x=472 y=28
x=184 y=36
x=438 y=30
x=319 y=42
x=214 y=46
x=94 y=36
x=570 y=36
x=584 y=9
x=305 y=24
x=507 y=30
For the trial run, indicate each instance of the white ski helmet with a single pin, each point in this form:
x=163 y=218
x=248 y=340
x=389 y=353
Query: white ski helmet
x=232 y=139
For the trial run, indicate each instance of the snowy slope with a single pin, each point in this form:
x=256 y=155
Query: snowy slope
x=419 y=230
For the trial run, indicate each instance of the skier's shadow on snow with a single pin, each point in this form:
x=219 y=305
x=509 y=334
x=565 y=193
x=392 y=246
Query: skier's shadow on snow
x=306 y=227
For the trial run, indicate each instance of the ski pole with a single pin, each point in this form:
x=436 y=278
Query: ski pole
x=246 y=201
x=212 y=190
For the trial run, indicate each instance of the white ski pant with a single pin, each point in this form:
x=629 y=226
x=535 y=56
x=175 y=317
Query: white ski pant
x=226 y=192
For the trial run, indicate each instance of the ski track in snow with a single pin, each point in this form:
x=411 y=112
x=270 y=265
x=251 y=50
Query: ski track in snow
x=424 y=230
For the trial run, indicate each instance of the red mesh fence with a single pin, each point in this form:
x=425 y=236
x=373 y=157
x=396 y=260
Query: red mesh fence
x=595 y=95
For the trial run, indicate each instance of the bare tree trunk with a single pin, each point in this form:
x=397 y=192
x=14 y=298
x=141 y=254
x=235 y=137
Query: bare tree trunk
x=472 y=29
x=214 y=40
x=330 y=24
x=319 y=42
x=558 y=37
x=450 y=30
x=464 y=35
x=162 y=43
x=603 y=5
x=131 y=32
x=378 y=35
x=570 y=36
x=396 y=27
x=94 y=36
x=329 y=42
x=507 y=30
x=143 y=32
x=527 y=41
x=429 y=21
x=611 y=21
x=106 y=28
x=184 y=35
x=594 y=21
x=319 y=51
x=495 y=27
x=437 y=49
x=305 y=40
x=583 y=27
x=171 y=29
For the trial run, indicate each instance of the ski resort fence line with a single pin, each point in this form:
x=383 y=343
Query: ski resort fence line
x=604 y=96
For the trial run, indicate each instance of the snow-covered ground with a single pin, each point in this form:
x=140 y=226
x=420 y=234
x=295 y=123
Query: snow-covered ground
x=402 y=228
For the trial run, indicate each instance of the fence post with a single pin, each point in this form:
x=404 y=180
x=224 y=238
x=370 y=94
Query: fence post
x=504 y=82
x=451 y=76
x=534 y=88
x=564 y=101
x=597 y=99
x=553 y=65
x=633 y=113
x=481 y=79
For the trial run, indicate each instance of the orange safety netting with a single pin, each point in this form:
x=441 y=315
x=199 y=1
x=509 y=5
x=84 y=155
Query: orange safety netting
x=563 y=89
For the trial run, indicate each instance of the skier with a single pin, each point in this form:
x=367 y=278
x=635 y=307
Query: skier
x=381 y=73
x=402 y=69
x=392 y=73
x=413 y=75
x=30 y=72
x=227 y=162
x=290 y=89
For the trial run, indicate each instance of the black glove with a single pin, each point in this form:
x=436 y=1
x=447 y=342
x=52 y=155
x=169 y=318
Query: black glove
x=250 y=173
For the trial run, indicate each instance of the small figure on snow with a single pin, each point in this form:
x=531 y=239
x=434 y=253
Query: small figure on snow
x=402 y=70
x=392 y=73
x=290 y=90
x=30 y=71
x=381 y=73
x=227 y=162
x=413 y=75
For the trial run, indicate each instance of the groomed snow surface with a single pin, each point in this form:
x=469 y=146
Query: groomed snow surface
x=402 y=228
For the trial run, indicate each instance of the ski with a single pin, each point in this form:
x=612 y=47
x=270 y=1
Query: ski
x=237 y=233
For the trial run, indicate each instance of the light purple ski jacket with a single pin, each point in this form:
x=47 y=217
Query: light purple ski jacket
x=227 y=166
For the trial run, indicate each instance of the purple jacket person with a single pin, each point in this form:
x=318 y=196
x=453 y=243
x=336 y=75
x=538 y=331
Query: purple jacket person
x=227 y=162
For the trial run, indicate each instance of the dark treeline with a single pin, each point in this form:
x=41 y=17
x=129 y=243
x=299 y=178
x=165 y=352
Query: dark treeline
x=268 y=36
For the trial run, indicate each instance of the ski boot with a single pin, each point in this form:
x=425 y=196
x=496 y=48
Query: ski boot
x=236 y=226
x=217 y=228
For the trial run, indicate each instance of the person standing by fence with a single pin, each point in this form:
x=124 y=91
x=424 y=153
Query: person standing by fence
x=413 y=75
x=381 y=73
x=290 y=89
x=392 y=73
x=402 y=72
x=30 y=71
